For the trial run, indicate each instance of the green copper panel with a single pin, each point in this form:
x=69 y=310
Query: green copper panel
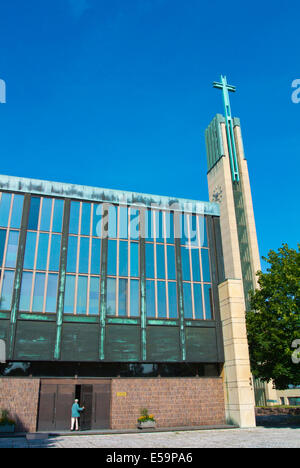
x=229 y=127
x=62 y=279
x=201 y=345
x=122 y=343
x=34 y=340
x=214 y=141
x=95 y=194
x=4 y=327
x=163 y=344
x=143 y=287
x=80 y=342
x=18 y=277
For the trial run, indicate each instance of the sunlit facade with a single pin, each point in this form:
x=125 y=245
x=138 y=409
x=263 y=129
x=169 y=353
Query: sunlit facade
x=103 y=284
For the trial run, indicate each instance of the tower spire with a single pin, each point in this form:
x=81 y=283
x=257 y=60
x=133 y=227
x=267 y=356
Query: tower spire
x=229 y=126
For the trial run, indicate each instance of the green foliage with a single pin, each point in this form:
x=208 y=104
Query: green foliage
x=5 y=419
x=273 y=323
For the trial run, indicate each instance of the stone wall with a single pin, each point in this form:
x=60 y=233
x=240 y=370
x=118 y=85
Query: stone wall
x=20 y=397
x=174 y=402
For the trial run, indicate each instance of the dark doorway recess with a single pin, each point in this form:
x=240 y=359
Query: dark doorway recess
x=57 y=397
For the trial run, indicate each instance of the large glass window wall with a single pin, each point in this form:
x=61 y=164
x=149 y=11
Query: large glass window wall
x=195 y=260
x=123 y=262
x=11 y=207
x=161 y=290
x=82 y=292
x=42 y=256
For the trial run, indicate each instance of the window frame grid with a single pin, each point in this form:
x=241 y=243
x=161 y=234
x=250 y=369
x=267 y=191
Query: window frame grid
x=165 y=244
x=126 y=240
x=47 y=271
x=191 y=281
x=76 y=274
x=8 y=229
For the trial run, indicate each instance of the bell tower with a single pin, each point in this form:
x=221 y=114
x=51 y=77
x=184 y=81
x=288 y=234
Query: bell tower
x=228 y=184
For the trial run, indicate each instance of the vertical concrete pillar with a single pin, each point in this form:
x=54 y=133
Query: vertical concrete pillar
x=239 y=394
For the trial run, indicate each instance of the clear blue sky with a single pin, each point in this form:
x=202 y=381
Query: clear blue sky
x=118 y=93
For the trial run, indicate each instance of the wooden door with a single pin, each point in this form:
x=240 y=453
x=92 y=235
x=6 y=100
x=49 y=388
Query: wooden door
x=64 y=401
x=46 y=418
x=101 y=406
x=86 y=400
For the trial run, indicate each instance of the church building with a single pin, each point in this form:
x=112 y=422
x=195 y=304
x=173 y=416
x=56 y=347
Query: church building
x=128 y=300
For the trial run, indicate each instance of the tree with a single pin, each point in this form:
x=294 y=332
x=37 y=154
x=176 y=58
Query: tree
x=273 y=324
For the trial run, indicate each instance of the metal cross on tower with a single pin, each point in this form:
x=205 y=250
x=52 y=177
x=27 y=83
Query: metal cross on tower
x=229 y=126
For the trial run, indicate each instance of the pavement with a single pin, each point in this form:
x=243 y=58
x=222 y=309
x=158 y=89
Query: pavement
x=258 y=437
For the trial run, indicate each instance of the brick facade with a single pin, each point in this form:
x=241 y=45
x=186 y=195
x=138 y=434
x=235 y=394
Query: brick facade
x=174 y=402
x=20 y=397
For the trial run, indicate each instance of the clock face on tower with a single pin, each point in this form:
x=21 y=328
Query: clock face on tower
x=217 y=194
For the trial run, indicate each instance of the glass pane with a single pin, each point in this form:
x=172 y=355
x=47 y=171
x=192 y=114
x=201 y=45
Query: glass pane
x=2 y=244
x=187 y=300
x=161 y=299
x=94 y=296
x=172 y=290
x=84 y=255
x=160 y=261
x=134 y=259
x=134 y=223
x=123 y=222
x=86 y=219
x=184 y=229
x=41 y=263
x=26 y=291
x=112 y=258
x=7 y=289
x=111 y=296
x=150 y=298
x=16 y=215
x=58 y=216
x=149 y=226
x=149 y=260
x=159 y=226
x=96 y=257
x=72 y=254
x=46 y=214
x=55 y=252
x=169 y=233
x=69 y=294
x=171 y=262
x=123 y=295
x=51 y=293
x=193 y=231
x=4 y=208
x=134 y=298
x=185 y=260
x=74 y=217
x=34 y=213
x=203 y=232
x=82 y=294
x=205 y=265
x=30 y=250
x=196 y=264
x=123 y=258
x=38 y=295
x=97 y=220
x=207 y=301
x=198 y=301
x=12 y=249
x=112 y=221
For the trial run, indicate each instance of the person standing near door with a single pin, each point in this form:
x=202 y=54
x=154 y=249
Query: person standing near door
x=76 y=410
